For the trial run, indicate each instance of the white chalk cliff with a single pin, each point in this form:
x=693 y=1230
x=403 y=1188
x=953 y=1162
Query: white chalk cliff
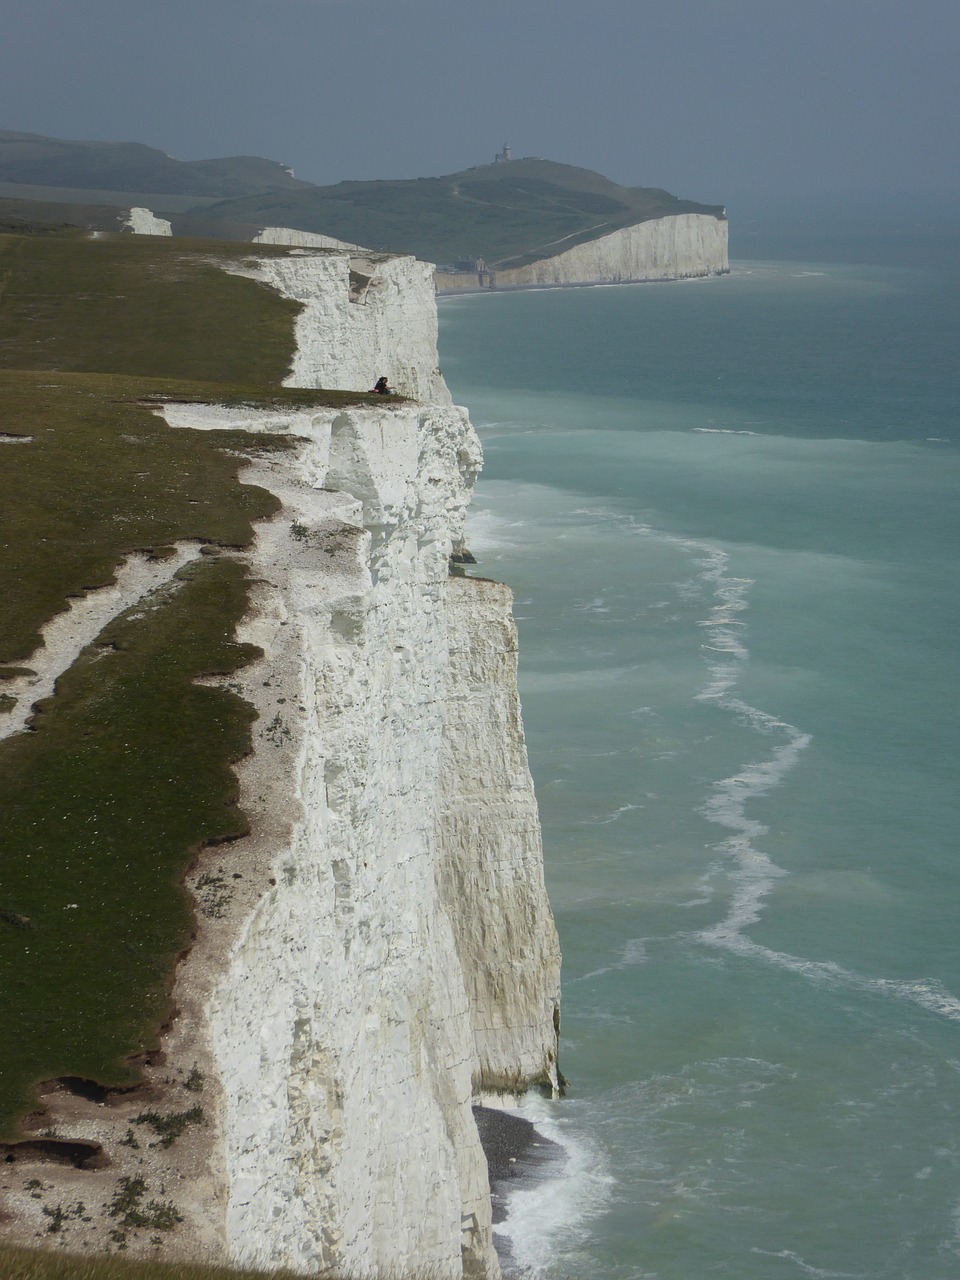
x=301 y=239
x=144 y=223
x=364 y=314
x=678 y=247
x=402 y=959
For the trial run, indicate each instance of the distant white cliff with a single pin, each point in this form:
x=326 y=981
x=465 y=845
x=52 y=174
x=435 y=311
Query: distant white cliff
x=673 y=248
x=401 y=960
x=144 y=223
x=301 y=239
x=678 y=247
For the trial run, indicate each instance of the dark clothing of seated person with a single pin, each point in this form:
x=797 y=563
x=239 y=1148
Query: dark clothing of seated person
x=382 y=388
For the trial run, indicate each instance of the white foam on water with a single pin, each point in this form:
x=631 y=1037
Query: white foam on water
x=806 y=1268
x=953 y=1244
x=549 y=1219
x=751 y=870
x=567 y=680
x=487 y=430
x=487 y=531
x=927 y=994
x=725 y=431
x=596 y=605
x=633 y=952
x=613 y=817
x=740 y=858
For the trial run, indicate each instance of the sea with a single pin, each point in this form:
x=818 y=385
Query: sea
x=728 y=510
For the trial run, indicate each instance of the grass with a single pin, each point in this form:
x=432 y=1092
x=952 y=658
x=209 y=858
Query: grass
x=47 y=1264
x=507 y=214
x=127 y=769
x=129 y=304
x=126 y=773
x=132 y=167
x=99 y=475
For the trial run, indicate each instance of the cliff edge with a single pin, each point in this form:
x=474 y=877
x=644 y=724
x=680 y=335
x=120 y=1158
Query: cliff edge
x=406 y=959
x=378 y=950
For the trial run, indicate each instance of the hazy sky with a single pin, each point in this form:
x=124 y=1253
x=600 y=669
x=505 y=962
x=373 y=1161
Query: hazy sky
x=728 y=101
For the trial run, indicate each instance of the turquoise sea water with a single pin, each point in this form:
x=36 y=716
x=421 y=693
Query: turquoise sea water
x=728 y=511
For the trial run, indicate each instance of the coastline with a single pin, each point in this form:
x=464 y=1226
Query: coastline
x=518 y=1157
x=675 y=247
x=516 y=1150
x=473 y=290
x=696 y=1051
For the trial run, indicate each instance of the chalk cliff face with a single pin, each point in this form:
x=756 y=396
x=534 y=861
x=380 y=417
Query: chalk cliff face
x=301 y=239
x=144 y=223
x=403 y=957
x=674 y=248
x=364 y=314
x=491 y=859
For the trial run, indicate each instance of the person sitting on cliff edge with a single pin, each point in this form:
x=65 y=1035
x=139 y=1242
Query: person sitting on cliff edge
x=382 y=387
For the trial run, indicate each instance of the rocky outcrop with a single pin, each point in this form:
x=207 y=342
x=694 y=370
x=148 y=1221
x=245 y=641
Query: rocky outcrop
x=674 y=248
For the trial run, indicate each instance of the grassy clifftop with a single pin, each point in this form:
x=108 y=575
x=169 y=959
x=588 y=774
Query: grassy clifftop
x=125 y=772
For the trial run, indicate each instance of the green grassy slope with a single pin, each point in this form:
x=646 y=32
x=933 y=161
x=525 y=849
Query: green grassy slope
x=127 y=769
x=130 y=166
x=498 y=212
x=136 y=305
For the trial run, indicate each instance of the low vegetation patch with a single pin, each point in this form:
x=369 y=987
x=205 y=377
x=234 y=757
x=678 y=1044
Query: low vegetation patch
x=170 y=1126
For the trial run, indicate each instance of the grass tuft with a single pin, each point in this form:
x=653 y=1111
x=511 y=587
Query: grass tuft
x=171 y=1126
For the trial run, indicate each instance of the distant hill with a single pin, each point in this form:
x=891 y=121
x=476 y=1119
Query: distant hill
x=507 y=213
x=34 y=160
